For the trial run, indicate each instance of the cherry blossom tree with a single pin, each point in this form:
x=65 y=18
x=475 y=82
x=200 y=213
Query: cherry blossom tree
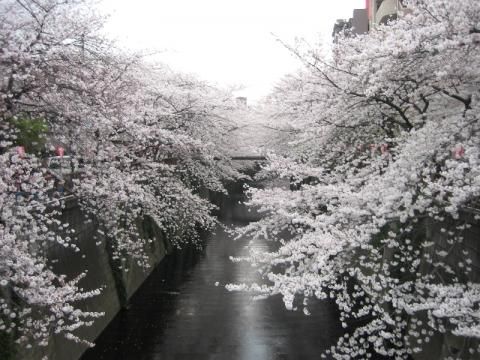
x=149 y=139
x=387 y=136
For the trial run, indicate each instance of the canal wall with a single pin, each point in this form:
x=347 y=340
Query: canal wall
x=443 y=346
x=448 y=346
x=95 y=256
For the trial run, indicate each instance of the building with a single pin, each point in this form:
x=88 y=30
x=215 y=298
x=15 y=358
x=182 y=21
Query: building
x=382 y=11
x=341 y=25
x=358 y=24
x=360 y=21
x=376 y=12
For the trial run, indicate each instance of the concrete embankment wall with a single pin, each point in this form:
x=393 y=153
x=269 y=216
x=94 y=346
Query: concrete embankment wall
x=96 y=258
x=448 y=346
x=443 y=346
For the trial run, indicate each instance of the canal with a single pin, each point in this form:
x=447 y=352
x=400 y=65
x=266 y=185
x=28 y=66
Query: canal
x=183 y=311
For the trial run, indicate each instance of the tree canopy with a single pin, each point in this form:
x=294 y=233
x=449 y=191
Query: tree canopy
x=386 y=163
x=149 y=139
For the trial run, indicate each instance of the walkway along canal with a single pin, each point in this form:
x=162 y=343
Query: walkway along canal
x=183 y=312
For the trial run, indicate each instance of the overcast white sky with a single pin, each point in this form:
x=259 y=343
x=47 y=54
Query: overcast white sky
x=223 y=41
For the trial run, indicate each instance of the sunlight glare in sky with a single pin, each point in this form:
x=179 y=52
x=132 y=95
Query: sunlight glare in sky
x=222 y=41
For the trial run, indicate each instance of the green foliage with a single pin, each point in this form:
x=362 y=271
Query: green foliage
x=31 y=133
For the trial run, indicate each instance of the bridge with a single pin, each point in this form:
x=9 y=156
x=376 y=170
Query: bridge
x=248 y=158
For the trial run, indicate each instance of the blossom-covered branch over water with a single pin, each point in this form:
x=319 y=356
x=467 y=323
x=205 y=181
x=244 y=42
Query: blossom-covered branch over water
x=386 y=179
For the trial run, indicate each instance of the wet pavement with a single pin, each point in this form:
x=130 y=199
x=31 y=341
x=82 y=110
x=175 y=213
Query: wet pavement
x=179 y=313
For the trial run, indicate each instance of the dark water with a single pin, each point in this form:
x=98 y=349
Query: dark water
x=180 y=313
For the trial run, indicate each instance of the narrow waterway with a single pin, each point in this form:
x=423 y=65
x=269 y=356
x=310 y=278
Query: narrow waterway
x=183 y=311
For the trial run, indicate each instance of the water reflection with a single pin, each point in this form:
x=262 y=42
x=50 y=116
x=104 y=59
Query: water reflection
x=180 y=313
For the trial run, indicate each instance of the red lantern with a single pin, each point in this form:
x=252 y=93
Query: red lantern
x=60 y=151
x=458 y=152
x=21 y=151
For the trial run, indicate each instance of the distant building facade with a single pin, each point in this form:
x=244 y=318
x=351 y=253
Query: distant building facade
x=376 y=12
x=360 y=21
x=356 y=25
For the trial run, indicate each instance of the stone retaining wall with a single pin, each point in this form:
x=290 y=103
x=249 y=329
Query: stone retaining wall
x=95 y=257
